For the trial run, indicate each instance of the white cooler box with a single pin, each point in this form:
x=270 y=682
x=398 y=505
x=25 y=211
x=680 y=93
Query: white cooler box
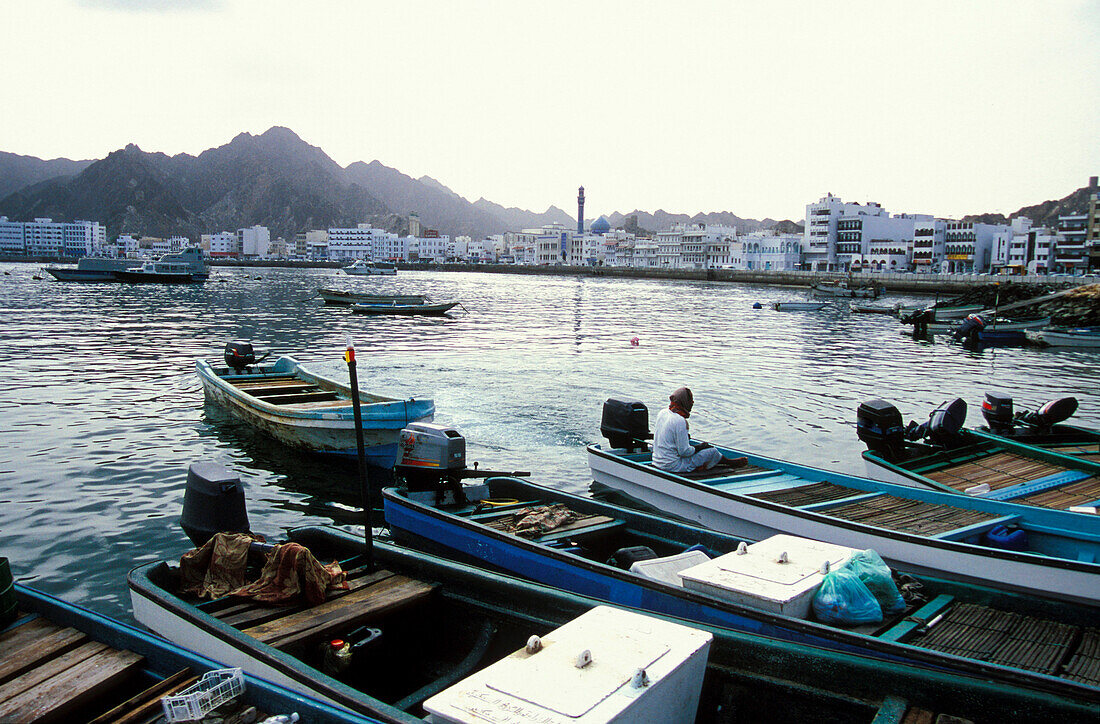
x=757 y=578
x=607 y=665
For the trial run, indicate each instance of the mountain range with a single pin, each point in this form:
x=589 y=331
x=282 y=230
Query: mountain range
x=278 y=180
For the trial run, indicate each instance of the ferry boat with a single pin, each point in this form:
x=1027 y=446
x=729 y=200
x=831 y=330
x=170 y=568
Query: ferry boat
x=92 y=269
x=187 y=267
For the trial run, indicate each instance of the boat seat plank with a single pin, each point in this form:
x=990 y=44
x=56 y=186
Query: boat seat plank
x=582 y=522
x=567 y=531
x=283 y=389
x=354 y=609
x=753 y=484
x=723 y=472
x=250 y=613
x=245 y=382
x=319 y=404
x=918 y=618
x=299 y=398
x=145 y=705
x=23 y=653
x=67 y=683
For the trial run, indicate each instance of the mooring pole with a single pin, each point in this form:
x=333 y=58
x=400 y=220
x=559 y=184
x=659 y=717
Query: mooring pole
x=364 y=476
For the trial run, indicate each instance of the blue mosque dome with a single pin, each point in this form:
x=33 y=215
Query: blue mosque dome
x=600 y=226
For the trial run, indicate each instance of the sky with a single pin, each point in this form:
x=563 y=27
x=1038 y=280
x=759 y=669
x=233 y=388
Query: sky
x=758 y=108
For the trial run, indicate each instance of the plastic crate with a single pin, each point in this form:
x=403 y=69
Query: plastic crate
x=204 y=696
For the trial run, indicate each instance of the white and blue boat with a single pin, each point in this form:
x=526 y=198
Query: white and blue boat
x=1038 y=551
x=186 y=267
x=306 y=410
x=597 y=549
x=60 y=662
x=92 y=269
x=362 y=267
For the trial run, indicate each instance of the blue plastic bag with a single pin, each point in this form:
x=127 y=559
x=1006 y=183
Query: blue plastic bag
x=844 y=600
x=875 y=574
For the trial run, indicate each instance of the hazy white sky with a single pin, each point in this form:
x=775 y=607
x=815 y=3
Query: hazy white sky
x=757 y=108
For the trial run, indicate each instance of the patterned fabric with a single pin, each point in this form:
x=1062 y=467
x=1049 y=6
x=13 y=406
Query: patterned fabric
x=290 y=572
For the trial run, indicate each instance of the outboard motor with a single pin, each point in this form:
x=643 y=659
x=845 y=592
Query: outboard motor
x=1050 y=414
x=432 y=463
x=625 y=424
x=997 y=411
x=969 y=328
x=944 y=423
x=239 y=356
x=879 y=425
x=213 y=502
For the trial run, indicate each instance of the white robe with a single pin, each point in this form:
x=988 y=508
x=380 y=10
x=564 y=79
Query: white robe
x=672 y=449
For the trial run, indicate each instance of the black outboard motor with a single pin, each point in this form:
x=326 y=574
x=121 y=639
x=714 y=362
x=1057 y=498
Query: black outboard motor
x=969 y=328
x=1050 y=414
x=879 y=424
x=213 y=502
x=240 y=355
x=997 y=411
x=944 y=423
x=625 y=424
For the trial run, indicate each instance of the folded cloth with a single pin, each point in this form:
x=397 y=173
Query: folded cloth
x=290 y=572
x=218 y=567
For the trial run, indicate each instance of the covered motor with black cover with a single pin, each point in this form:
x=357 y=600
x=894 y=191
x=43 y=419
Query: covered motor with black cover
x=625 y=424
x=945 y=421
x=969 y=328
x=213 y=502
x=997 y=411
x=879 y=425
x=240 y=355
x=1051 y=413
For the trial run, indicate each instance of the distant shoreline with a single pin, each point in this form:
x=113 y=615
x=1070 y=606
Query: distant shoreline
x=893 y=282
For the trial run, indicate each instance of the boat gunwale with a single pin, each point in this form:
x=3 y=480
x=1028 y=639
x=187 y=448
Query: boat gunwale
x=820 y=518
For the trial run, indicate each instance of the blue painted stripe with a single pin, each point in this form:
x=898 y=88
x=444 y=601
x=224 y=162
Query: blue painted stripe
x=1039 y=484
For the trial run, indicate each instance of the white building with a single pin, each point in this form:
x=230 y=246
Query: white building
x=646 y=254
x=254 y=242
x=221 y=245
x=767 y=250
x=46 y=237
x=11 y=237
x=316 y=244
x=821 y=237
x=928 y=245
x=695 y=246
x=357 y=243
x=968 y=246
x=126 y=244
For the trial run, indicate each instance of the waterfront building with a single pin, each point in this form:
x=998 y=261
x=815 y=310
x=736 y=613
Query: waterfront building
x=646 y=254
x=874 y=241
x=669 y=249
x=434 y=247
x=223 y=245
x=347 y=244
x=1092 y=229
x=767 y=250
x=695 y=246
x=821 y=241
x=126 y=244
x=929 y=235
x=254 y=242
x=11 y=237
x=968 y=246
x=1071 y=253
x=316 y=244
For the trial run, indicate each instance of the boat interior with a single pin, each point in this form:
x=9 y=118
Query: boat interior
x=412 y=637
x=1059 y=639
x=54 y=673
x=1012 y=476
x=286 y=386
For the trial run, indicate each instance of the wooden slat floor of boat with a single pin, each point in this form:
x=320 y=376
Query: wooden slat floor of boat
x=910 y=516
x=1003 y=637
x=283 y=389
x=504 y=522
x=299 y=398
x=340 y=614
x=52 y=672
x=1084 y=665
x=265 y=382
x=1087 y=450
x=1082 y=492
x=319 y=404
x=998 y=471
x=145 y=707
x=806 y=494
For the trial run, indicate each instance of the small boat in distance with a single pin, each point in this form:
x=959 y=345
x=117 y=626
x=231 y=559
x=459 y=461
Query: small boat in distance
x=92 y=269
x=63 y=663
x=990 y=324
x=798 y=306
x=346 y=297
x=844 y=289
x=306 y=410
x=431 y=310
x=187 y=267
x=367 y=268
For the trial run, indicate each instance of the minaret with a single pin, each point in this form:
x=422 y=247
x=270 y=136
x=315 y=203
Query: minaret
x=580 y=210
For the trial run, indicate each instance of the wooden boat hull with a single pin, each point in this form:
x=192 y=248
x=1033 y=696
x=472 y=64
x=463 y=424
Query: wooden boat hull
x=458 y=535
x=845 y=292
x=161 y=660
x=722 y=507
x=942 y=327
x=757 y=663
x=327 y=429
x=405 y=309
x=1053 y=338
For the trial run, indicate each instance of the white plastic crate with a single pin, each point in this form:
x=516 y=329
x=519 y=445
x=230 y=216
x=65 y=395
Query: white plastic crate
x=204 y=696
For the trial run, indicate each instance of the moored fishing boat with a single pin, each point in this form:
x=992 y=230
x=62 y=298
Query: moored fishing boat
x=1031 y=458
x=425 y=633
x=60 y=662
x=362 y=267
x=594 y=548
x=941 y=313
x=430 y=310
x=990 y=324
x=1083 y=337
x=843 y=289
x=1049 y=553
x=798 y=306
x=304 y=409
x=346 y=297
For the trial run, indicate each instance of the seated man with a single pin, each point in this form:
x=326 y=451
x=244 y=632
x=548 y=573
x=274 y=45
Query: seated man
x=672 y=448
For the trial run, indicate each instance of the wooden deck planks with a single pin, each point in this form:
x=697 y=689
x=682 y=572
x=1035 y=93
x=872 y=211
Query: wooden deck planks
x=806 y=494
x=33 y=645
x=65 y=684
x=145 y=705
x=349 y=611
x=1082 y=492
x=910 y=516
x=998 y=471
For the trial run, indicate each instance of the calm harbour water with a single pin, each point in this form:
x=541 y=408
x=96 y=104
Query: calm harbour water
x=103 y=412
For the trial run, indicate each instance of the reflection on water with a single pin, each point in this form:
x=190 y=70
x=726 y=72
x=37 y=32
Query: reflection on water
x=103 y=411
